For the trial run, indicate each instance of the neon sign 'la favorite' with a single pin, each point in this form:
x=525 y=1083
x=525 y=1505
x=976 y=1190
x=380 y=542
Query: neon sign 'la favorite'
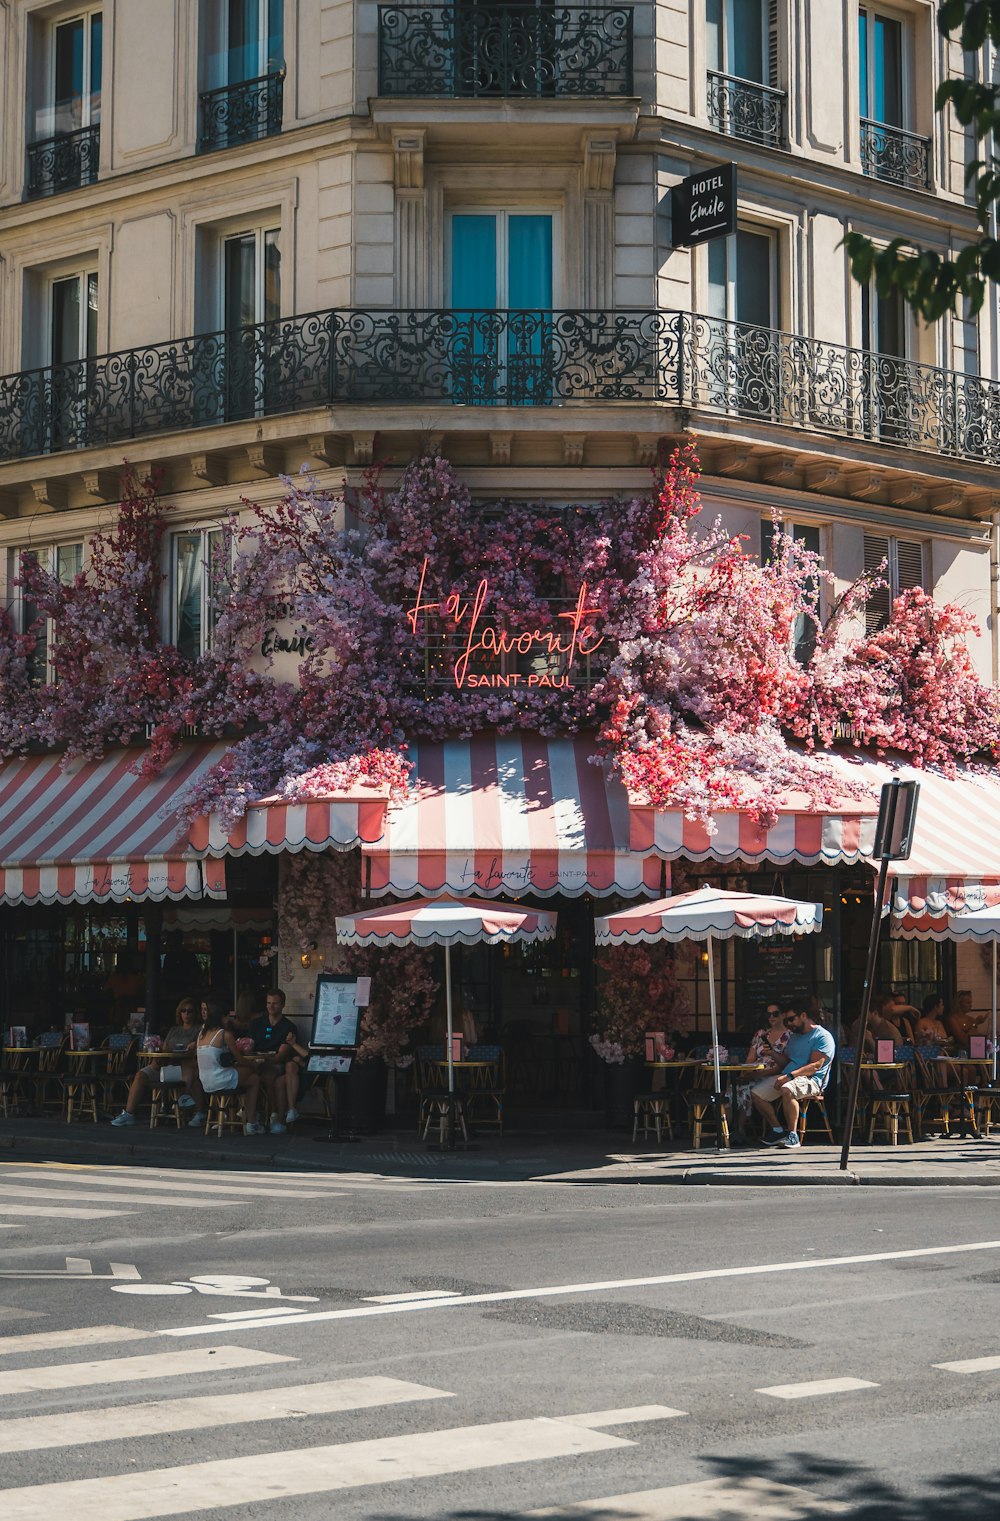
x=573 y=637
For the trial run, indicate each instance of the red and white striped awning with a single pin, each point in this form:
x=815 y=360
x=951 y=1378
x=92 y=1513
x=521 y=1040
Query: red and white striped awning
x=273 y=824
x=839 y=836
x=504 y=815
x=99 y=832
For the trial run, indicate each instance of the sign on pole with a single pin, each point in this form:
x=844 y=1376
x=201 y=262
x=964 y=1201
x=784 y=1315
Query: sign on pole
x=703 y=206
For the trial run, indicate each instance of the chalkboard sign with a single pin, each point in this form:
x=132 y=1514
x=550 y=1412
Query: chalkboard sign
x=782 y=970
x=336 y=1015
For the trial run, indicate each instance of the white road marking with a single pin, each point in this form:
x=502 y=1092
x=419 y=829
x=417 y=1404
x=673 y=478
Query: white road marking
x=251 y=1314
x=79 y=1265
x=270 y=1476
x=63 y=1212
x=142 y=1178
x=971 y=1365
x=77 y=1268
x=610 y=1285
x=34 y=1432
x=78 y=1336
x=17 y=1191
x=416 y=1294
x=708 y=1499
x=4 y=1226
x=128 y=1370
x=124 y=1270
x=600 y=1419
x=815 y=1387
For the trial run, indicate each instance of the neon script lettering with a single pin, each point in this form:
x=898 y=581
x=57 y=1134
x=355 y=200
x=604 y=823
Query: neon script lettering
x=483 y=639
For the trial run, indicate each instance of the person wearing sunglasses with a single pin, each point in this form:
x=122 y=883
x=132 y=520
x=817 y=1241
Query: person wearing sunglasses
x=808 y=1060
x=180 y=1039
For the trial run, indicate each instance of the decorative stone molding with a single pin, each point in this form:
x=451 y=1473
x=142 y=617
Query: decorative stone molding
x=906 y=489
x=408 y=159
x=646 y=449
x=326 y=447
x=50 y=494
x=779 y=469
x=864 y=484
x=210 y=468
x=599 y=156
x=102 y=485
x=362 y=448
x=823 y=476
x=573 y=448
x=946 y=498
x=266 y=459
x=731 y=460
x=500 y=448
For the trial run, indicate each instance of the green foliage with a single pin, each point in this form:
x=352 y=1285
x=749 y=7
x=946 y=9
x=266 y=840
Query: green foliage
x=930 y=283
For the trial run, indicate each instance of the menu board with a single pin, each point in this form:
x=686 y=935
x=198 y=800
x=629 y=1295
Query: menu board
x=782 y=970
x=336 y=1015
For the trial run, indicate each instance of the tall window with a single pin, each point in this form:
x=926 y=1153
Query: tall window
x=743 y=278
x=251 y=298
x=742 y=44
x=65 y=150
x=62 y=560
x=73 y=336
x=741 y=367
x=890 y=149
x=903 y=569
x=194 y=582
x=242 y=72
x=503 y=260
x=808 y=535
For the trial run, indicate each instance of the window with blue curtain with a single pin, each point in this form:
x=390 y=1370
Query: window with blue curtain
x=502 y=261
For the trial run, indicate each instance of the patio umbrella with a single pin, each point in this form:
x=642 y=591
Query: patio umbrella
x=708 y=914
x=978 y=925
x=447 y=922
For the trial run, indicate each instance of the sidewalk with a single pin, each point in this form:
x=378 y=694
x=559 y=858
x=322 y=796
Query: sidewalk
x=581 y=1158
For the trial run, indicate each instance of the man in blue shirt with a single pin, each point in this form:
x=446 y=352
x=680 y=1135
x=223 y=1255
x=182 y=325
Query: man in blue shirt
x=808 y=1059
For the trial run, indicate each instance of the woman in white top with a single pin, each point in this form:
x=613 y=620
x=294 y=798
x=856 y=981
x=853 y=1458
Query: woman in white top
x=217 y=1077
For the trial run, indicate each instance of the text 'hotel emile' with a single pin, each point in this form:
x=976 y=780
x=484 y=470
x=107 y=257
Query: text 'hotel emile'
x=172 y=169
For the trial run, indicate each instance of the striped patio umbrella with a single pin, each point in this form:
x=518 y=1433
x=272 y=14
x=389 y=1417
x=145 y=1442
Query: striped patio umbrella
x=447 y=922
x=708 y=914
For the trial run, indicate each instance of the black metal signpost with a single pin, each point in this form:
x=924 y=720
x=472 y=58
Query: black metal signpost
x=703 y=206
x=893 y=835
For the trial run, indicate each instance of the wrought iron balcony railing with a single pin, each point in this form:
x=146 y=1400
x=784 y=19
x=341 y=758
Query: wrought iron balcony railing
x=479 y=49
x=64 y=162
x=892 y=154
x=741 y=108
x=241 y=113
x=500 y=358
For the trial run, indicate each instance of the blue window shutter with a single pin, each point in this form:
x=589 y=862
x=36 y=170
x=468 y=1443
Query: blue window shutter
x=529 y=252
x=473 y=262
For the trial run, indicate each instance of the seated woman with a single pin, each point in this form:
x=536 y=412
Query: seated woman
x=767 y=1046
x=180 y=1038
x=929 y=1029
x=217 y=1076
x=961 y=1021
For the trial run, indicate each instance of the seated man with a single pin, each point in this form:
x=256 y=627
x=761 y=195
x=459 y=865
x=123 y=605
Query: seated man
x=961 y=1021
x=808 y=1059
x=180 y=1038
x=276 y=1038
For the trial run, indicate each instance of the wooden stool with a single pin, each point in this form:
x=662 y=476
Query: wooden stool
x=987 y=1099
x=438 y=1108
x=161 y=1098
x=225 y=1111
x=887 y=1109
x=702 y=1113
x=652 y=1110
x=817 y=1099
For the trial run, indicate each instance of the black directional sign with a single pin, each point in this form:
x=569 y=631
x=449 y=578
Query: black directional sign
x=703 y=206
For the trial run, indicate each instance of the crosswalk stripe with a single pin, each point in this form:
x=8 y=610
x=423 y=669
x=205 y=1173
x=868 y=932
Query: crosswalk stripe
x=64 y=1212
x=288 y=1472
x=139 y=1178
x=598 y=1420
x=708 y=1499
x=79 y=1336
x=127 y=1370
x=816 y=1387
x=18 y=1192
x=32 y=1433
x=971 y=1365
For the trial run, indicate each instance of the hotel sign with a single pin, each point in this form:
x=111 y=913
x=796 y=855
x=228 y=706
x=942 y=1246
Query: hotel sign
x=703 y=206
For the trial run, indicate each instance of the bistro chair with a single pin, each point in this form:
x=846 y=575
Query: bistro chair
x=486 y=1089
x=116 y=1080
x=438 y=1112
x=224 y=1111
x=163 y=1103
x=431 y=1079
x=80 y=1087
x=941 y=1089
x=51 y=1046
x=652 y=1110
x=815 y=1104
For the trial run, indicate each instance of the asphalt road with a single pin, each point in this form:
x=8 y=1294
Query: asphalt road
x=315 y=1345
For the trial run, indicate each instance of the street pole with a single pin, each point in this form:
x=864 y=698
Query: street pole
x=893 y=837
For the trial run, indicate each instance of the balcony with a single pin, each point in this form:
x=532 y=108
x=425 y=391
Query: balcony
x=741 y=108
x=241 y=113
x=896 y=156
x=501 y=51
x=63 y=162
x=489 y=359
